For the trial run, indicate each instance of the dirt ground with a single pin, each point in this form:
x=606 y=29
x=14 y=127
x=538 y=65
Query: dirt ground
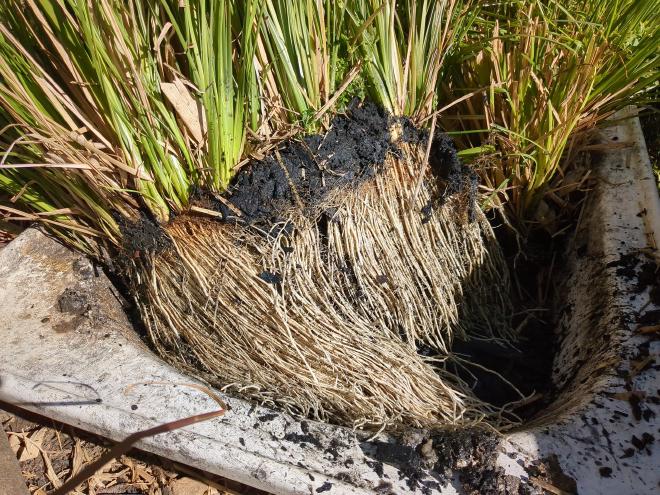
x=50 y=453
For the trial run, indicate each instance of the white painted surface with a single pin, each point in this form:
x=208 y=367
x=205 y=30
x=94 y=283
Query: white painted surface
x=624 y=219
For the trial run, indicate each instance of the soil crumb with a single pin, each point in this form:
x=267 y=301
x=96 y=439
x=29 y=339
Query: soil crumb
x=468 y=457
x=142 y=235
x=73 y=302
x=472 y=455
x=305 y=438
x=325 y=487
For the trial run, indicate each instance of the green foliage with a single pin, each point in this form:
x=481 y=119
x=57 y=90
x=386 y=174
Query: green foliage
x=114 y=107
x=308 y=60
x=220 y=66
x=301 y=49
x=136 y=102
x=356 y=89
x=539 y=73
x=404 y=44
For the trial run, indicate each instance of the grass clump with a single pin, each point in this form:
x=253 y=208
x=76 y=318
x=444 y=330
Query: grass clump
x=100 y=119
x=404 y=45
x=537 y=75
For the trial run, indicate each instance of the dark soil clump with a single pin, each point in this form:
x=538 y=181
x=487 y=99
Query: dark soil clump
x=73 y=302
x=472 y=455
x=142 y=235
x=304 y=438
x=327 y=486
x=304 y=171
x=264 y=418
x=412 y=466
x=353 y=151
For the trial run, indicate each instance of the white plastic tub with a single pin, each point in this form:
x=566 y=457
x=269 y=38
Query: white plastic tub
x=87 y=367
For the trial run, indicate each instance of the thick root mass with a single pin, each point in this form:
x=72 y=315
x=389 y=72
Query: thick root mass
x=348 y=313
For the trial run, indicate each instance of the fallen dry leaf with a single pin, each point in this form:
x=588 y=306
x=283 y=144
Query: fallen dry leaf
x=189 y=486
x=122 y=488
x=14 y=443
x=142 y=473
x=131 y=467
x=29 y=446
x=32 y=448
x=50 y=472
x=548 y=486
x=187 y=108
x=28 y=451
x=78 y=458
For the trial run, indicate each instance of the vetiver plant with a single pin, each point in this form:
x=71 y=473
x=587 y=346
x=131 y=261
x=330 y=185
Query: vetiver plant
x=328 y=274
x=315 y=278
x=404 y=45
x=539 y=74
x=97 y=123
x=304 y=60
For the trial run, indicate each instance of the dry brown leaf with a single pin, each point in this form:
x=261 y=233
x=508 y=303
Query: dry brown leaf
x=78 y=458
x=121 y=488
x=95 y=484
x=14 y=443
x=105 y=478
x=131 y=466
x=29 y=446
x=160 y=474
x=548 y=486
x=50 y=472
x=123 y=472
x=144 y=474
x=189 y=486
x=187 y=108
x=34 y=442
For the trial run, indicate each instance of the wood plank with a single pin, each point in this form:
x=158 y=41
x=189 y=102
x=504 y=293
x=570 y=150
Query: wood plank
x=11 y=479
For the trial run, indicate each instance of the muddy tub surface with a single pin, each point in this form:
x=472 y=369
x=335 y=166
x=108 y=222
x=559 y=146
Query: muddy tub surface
x=69 y=352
